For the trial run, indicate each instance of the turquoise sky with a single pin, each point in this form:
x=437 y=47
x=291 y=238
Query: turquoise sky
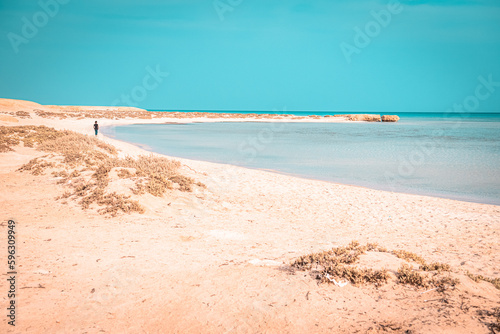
x=252 y=54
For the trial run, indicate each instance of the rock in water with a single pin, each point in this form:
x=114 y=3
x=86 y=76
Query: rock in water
x=390 y=118
x=361 y=117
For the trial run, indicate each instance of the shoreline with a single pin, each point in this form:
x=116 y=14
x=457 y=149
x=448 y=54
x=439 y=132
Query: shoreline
x=435 y=194
x=109 y=123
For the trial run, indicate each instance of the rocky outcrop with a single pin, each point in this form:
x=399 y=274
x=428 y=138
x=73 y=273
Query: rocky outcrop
x=390 y=118
x=361 y=117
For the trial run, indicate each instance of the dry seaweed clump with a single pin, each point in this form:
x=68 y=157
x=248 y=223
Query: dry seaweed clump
x=338 y=263
x=83 y=163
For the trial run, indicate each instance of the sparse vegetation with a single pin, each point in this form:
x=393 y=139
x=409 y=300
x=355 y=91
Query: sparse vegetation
x=36 y=166
x=337 y=263
x=29 y=135
x=409 y=256
x=435 y=266
x=78 y=153
x=113 y=113
x=356 y=275
x=124 y=173
x=340 y=262
x=333 y=257
x=443 y=283
x=407 y=275
x=478 y=278
x=23 y=114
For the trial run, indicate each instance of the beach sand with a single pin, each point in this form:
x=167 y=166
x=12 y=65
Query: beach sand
x=215 y=260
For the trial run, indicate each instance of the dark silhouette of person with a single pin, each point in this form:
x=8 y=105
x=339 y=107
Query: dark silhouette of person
x=96 y=127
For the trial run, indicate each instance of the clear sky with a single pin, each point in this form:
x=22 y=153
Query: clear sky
x=342 y=55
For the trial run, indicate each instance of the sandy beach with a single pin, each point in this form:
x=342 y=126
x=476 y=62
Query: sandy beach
x=217 y=259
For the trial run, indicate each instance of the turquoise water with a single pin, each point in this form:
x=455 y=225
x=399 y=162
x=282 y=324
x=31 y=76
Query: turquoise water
x=444 y=155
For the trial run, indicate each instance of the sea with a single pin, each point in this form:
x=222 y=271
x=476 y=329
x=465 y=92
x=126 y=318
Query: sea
x=448 y=155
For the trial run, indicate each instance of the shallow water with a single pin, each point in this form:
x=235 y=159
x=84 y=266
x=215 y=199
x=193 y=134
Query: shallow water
x=429 y=154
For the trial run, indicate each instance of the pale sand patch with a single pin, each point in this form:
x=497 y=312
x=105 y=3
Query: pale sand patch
x=188 y=265
x=10 y=119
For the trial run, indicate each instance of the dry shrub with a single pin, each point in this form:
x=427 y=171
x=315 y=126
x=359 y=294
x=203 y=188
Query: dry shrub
x=76 y=147
x=101 y=176
x=443 y=283
x=151 y=165
x=336 y=262
x=330 y=258
x=49 y=114
x=66 y=194
x=81 y=190
x=8 y=138
x=36 y=166
x=23 y=114
x=409 y=256
x=79 y=150
x=374 y=247
x=94 y=192
x=60 y=173
x=157 y=185
x=139 y=189
x=124 y=174
x=356 y=275
x=407 y=275
x=160 y=174
x=113 y=203
x=435 y=266
x=30 y=135
x=184 y=182
x=478 y=278
x=4 y=147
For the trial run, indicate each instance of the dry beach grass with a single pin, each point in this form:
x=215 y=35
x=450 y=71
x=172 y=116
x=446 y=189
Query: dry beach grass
x=83 y=163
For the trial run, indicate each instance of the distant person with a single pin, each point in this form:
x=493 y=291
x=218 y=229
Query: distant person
x=96 y=127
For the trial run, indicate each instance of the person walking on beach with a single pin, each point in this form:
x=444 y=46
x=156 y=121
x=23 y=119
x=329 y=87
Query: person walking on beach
x=96 y=127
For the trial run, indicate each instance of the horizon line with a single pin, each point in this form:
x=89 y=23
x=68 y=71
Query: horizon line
x=323 y=111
